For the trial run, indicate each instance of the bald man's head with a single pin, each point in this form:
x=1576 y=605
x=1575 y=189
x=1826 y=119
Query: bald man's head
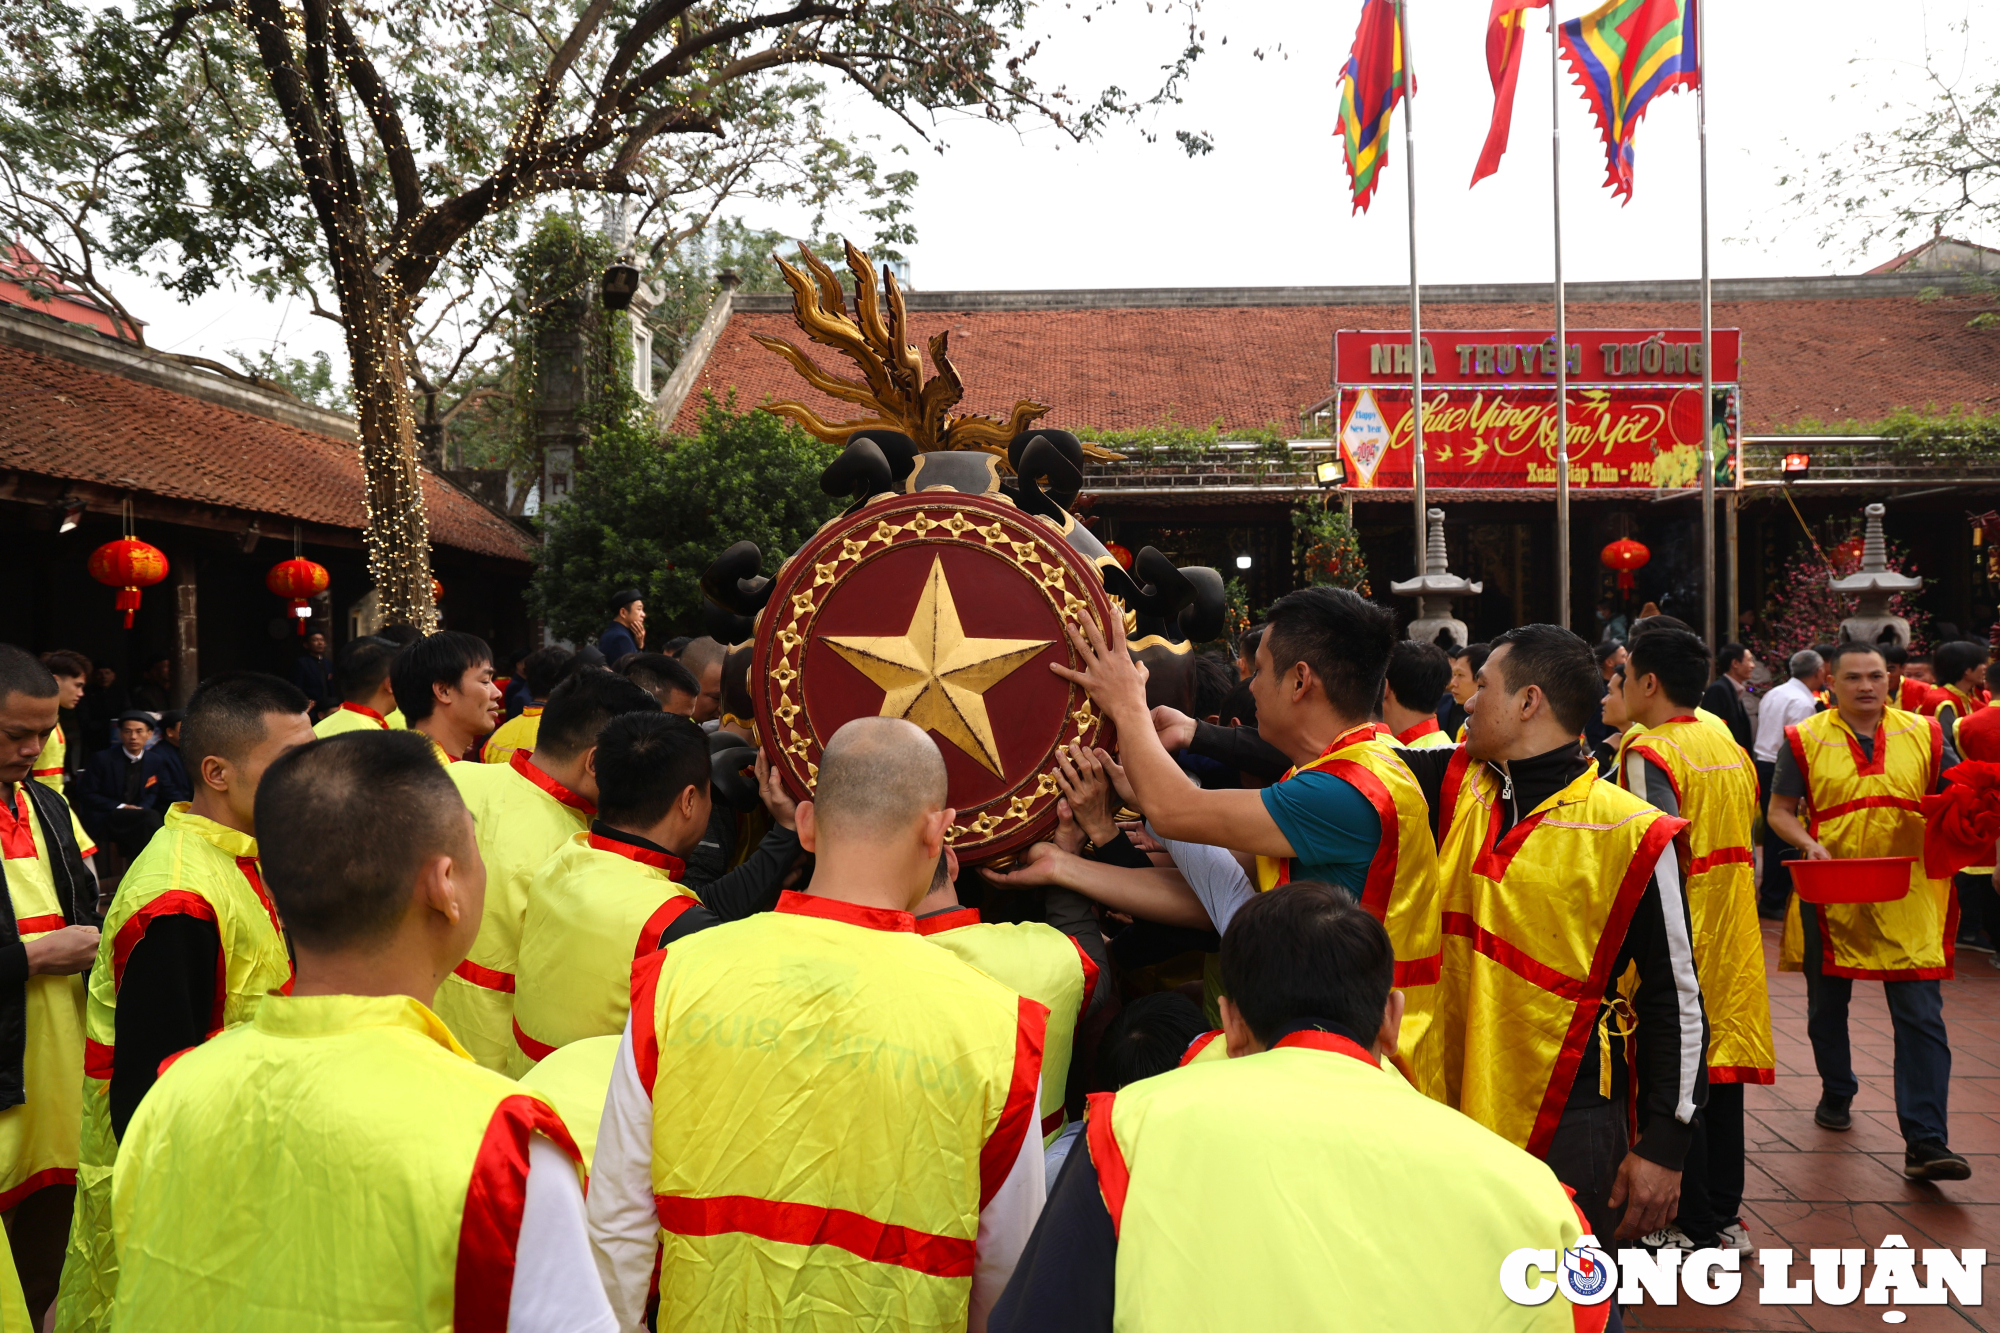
x=877 y=777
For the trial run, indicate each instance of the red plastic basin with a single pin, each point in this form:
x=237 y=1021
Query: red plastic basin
x=1856 y=879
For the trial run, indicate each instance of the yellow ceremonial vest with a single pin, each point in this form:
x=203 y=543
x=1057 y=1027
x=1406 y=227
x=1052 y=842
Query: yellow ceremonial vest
x=1401 y=890
x=834 y=1100
x=1426 y=735
x=38 y=1139
x=337 y=1163
x=395 y=720
x=522 y=816
x=1035 y=960
x=1532 y=923
x=1717 y=791
x=1199 y=1162
x=349 y=717
x=594 y=908
x=1874 y=807
x=48 y=769
x=192 y=867
x=517 y=733
x=576 y=1080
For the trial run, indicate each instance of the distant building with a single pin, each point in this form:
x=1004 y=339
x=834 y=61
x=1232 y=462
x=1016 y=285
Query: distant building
x=1944 y=254
x=27 y=282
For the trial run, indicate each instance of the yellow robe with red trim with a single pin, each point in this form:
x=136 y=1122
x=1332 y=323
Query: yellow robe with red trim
x=1532 y=924
x=1401 y=890
x=1717 y=790
x=1856 y=807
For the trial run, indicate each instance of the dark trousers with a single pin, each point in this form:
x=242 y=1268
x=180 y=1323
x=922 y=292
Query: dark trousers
x=1978 y=907
x=38 y=1233
x=130 y=829
x=1923 y=1053
x=1712 y=1178
x=1777 y=887
x=1589 y=1143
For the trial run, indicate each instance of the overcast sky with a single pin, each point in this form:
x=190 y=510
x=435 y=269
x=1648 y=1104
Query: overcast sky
x=1025 y=208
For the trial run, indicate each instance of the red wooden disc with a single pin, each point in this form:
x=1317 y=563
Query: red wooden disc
x=945 y=608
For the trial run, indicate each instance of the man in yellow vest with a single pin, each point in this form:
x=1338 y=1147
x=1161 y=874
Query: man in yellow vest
x=1861 y=770
x=1688 y=769
x=1243 y=1193
x=1961 y=689
x=338 y=1162
x=1417 y=677
x=1348 y=812
x=523 y=811
x=444 y=689
x=1554 y=883
x=48 y=936
x=543 y=670
x=71 y=670
x=816 y=1117
x=366 y=697
x=613 y=894
x=192 y=945
x=1050 y=964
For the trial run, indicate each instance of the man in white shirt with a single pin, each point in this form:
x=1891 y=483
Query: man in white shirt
x=1786 y=704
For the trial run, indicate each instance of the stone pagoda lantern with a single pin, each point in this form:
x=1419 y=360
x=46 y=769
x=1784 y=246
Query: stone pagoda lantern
x=1435 y=588
x=1872 y=588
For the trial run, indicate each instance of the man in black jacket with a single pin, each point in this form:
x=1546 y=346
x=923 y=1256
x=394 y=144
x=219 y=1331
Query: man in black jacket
x=48 y=936
x=128 y=786
x=1724 y=697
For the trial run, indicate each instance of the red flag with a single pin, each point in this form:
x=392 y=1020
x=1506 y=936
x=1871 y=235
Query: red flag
x=1506 y=34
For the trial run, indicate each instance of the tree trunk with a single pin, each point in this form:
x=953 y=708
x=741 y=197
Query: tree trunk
x=397 y=536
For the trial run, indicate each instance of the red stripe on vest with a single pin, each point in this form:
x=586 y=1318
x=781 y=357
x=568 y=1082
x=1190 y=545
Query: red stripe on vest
x=1114 y=1178
x=652 y=934
x=490 y=1228
x=31 y=925
x=1741 y=1074
x=1089 y=978
x=1326 y=1041
x=175 y=902
x=97 y=1059
x=55 y=1175
x=1656 y=842
x=1382 y=867
x=167 y=1063
x=808 y=1224
x=529 y=1046
x=1418 y=971
x=366 y=712
x=645 y=1021
x=486 y=978
x=1454 y=778
x=1721 y=856
x=522 y=764
x=1054 y=1120
x=645 y=856
x=1196 y=1047
x=956 y=918
x=1017 y=1114
x=854 y=914
x=1523 y=965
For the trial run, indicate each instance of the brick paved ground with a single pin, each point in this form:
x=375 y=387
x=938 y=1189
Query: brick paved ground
x=1810 y=1188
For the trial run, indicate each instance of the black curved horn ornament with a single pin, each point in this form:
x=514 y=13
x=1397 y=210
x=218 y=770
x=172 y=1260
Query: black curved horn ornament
x=862 y=470
x=1203 y=620
x=723 y=625
x=733 y=580
x=899 y=449
x=1043 y=460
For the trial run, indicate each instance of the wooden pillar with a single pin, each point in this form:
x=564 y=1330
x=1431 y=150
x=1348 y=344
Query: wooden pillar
x=187 y=656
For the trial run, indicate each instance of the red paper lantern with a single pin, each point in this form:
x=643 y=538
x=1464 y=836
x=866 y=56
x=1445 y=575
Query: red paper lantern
x=1625 y=555
x=437 y=592
x=128 y=565
x=1122 y=554
x=300 y=581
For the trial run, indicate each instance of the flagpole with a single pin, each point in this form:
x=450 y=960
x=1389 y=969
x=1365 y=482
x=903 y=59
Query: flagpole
x=1416 y=304
x=1707 y=347
x=1562 y=332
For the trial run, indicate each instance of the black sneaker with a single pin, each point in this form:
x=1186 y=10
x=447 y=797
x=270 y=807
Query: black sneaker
x=1933 y=1161
x=1832 y=1113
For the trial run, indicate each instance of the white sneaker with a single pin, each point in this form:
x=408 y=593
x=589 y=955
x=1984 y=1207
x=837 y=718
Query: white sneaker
x=1736 y=1237
x=1669 y=1237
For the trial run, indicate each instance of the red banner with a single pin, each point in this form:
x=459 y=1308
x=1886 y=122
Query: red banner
x=1528 y=356
x=1504 y=437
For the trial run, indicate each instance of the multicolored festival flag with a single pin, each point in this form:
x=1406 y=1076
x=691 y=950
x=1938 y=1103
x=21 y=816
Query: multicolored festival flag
x=1506 y=34
x=1625 y=53
x=1370 y=84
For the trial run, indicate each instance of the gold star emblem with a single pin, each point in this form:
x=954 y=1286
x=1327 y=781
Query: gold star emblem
x=934 y=675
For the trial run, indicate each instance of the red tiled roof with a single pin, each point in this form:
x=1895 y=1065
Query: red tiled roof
x=81 y=424
x=1831 y=359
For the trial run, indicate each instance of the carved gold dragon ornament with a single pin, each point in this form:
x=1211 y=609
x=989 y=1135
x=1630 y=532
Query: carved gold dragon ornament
x=892 y=388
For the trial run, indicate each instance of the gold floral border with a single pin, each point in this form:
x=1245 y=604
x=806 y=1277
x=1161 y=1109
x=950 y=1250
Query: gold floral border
x=905 y=519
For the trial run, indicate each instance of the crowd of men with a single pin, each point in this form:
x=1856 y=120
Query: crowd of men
x=1420 y=956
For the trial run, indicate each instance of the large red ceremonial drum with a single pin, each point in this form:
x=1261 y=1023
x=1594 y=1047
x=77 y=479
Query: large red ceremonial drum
x=945 y=608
